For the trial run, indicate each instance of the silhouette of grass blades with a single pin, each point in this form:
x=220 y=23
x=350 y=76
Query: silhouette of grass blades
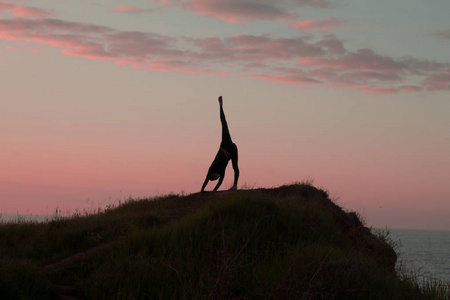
x=290 y=242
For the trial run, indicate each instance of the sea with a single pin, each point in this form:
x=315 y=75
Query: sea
x=425 y=253
x=14 y=218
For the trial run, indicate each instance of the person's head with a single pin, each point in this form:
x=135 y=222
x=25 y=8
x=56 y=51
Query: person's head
x=213 y=176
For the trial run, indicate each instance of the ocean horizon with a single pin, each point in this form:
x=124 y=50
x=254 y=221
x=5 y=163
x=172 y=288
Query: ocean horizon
x=426 y=253
x=14 y=218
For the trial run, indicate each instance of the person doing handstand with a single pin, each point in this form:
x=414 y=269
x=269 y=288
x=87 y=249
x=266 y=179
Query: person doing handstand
x=228 y=150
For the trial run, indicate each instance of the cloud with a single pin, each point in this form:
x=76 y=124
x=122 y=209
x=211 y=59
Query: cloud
x=129 y=9
x=379 y=90
x=320 y=25
x=256 y=48
x=438 y=81
x=241 y=11
x=21 y=11
x=293 y=76
x=236 y=11
x=443 y=34
x=91 y=41
x=288 y=4
x=142 y=50
x=326 y=62
x=245 y=11
x=301 y=61
x=365 y=60
x=410 y=88
x=318 y=4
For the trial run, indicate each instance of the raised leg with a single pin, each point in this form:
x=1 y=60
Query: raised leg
x=226 y=137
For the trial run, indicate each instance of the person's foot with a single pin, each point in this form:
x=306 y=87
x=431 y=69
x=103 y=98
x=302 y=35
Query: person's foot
x=220 y=101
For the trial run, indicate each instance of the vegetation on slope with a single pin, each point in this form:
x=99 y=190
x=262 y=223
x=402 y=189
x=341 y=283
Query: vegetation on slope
x=290 y=242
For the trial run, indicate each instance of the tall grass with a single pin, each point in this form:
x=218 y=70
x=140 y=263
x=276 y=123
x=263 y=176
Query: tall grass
x=22 y=279
x=290 y=242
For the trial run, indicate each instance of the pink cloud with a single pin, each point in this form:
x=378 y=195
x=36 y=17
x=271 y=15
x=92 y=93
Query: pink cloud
x=365 y=60
x=300 y=61
x=281 y=5
x=136 y=49
x=289 y=76
x=129 y=9
x=438 y=81
x=244 y=11
x=241 y=11
x=320 y=25
x=303 y=79
x=256 y=48
x=169 y=2
x=329 y=63
x=21 y=11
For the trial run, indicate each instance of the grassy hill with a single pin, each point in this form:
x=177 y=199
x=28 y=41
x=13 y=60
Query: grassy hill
x=290 y=242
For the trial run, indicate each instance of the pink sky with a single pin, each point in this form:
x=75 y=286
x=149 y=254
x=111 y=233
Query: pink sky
x=105 y=101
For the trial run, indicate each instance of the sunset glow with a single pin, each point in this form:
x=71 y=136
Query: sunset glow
x=104 y=101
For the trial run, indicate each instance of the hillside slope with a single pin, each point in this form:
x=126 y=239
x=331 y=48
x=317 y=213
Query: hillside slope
x=290 y=242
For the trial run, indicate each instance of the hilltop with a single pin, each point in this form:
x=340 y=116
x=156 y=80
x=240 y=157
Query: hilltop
x=290 y=242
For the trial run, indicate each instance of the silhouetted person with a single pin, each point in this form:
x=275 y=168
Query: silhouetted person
x=228 y=150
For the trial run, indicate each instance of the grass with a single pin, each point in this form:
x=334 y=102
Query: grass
x=290 y=242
